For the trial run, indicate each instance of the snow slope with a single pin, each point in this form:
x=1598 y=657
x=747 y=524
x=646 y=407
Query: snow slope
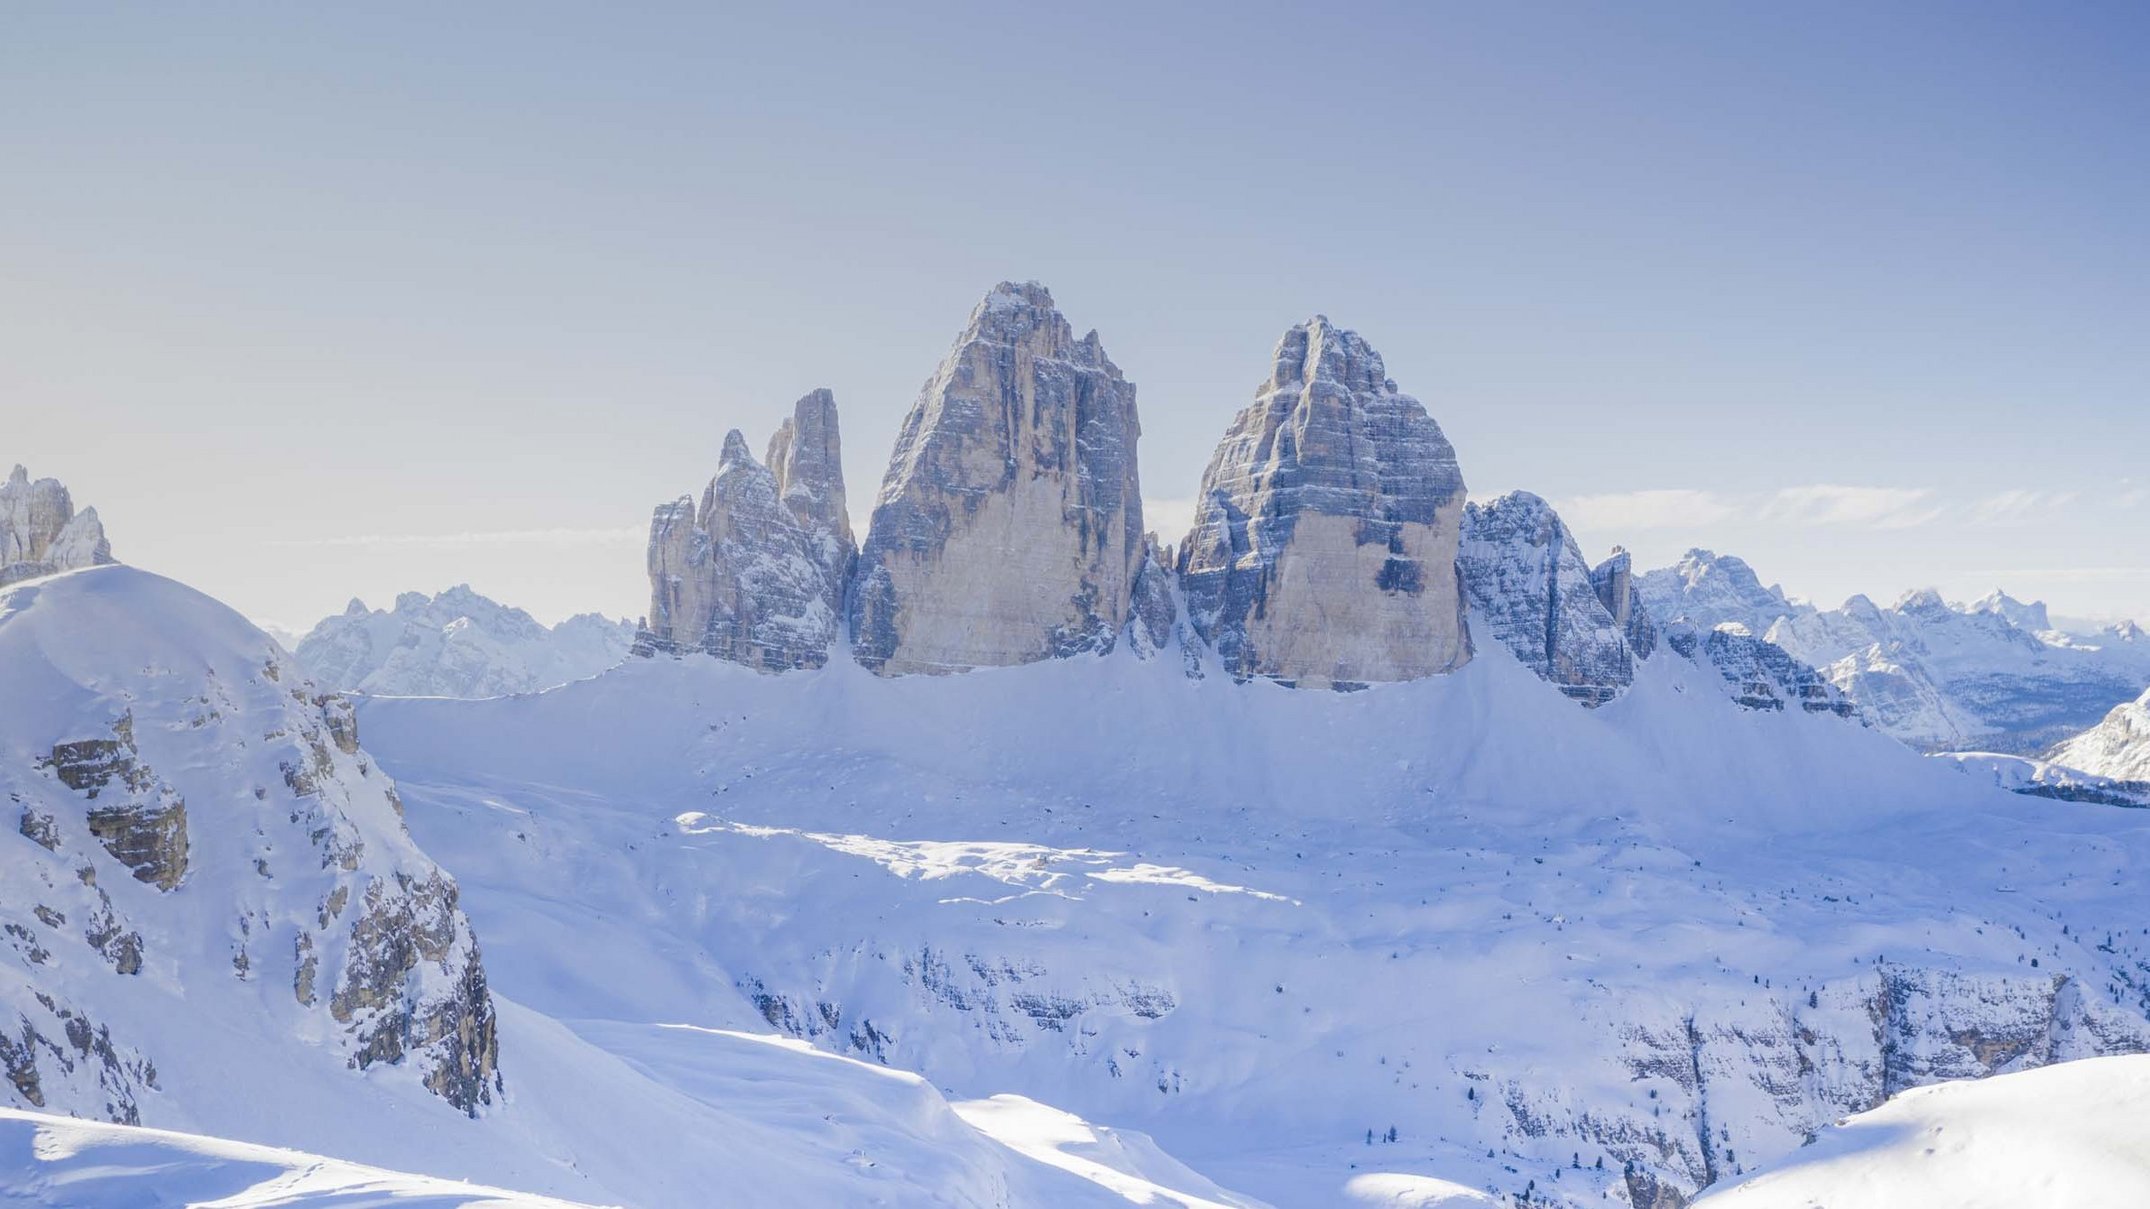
x=2072 y=1134
x=456 y=644
x=62 y=1161
x=1575 y=953
x=2117 y=747
x=254 y=948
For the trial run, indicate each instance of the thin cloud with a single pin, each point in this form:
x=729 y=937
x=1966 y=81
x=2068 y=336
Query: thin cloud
x=494 y=537
x=1864 y=507
x=1659 y=508
x=2019 y=504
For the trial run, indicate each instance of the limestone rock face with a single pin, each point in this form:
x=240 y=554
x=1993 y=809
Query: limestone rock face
x=42 y=534
x=1614 y=580
x=1526 y=575
x=1324 y=546
x=1009 y=526
x=204 y=845
x=1154 y=606
x=756 y=574
x=1758 y=673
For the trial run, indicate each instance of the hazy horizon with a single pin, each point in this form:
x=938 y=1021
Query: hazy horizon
x=314 y=305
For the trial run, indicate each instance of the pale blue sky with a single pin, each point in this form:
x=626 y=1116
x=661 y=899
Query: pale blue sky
x=318 y=303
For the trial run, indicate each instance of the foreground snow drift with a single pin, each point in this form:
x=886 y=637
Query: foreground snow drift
x=1623 y=953
x=2075 y=1135
x=60 y=1161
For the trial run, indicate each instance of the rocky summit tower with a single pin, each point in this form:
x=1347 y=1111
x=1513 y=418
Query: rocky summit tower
x=1009 y=527
x=1324 y=546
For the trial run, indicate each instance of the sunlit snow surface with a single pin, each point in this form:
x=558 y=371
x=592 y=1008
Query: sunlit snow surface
x=62 y=1162
x=2072 y=1135
x=1262 y=926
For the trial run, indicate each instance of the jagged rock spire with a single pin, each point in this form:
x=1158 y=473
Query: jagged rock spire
x=42 y=534
x=1614 y=580
x=1009 y=526
x=756 y=574
x=1527 y=577
x=1324 y=545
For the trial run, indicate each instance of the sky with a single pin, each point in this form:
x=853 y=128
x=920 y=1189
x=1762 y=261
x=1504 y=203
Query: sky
x=317 y=302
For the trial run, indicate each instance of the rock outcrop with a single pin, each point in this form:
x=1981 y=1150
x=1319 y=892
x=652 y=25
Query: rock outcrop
x=1614 y=581
x=1009 y=526
x=1526 y=577
x=756 y=574
x=1324 y=545
x=1759 y=674
x=42 y=534
x=293 y=906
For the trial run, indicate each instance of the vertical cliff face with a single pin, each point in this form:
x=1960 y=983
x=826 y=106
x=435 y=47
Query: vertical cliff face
x=1528 y=579
x=756 y=574
x=1614 y=580
x=1009 y=527
x=42 y=534
x=1324 y=546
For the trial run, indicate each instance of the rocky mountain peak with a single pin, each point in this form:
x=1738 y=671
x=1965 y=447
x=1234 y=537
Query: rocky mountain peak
x=1706 y=587
x=2031 y=617
x=1325 y=532
x=42 y=534
x=756 y=574
x=1527 y=578
x=1009 y=525
x=806 y=456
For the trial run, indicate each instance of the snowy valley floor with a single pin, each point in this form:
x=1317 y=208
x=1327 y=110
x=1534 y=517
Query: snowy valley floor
x=1570 y=952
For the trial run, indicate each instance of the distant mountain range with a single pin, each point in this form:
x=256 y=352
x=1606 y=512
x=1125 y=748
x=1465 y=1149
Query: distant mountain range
x=456 y=643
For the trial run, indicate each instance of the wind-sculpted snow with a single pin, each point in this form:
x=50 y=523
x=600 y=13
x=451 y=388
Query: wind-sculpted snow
x=2067 y=1135
x=42 y=534
x=1617 y=953
x=50 y=1160
x=457 y=643
x=1325 y=534
x=1527 y=579
x=1009 y=526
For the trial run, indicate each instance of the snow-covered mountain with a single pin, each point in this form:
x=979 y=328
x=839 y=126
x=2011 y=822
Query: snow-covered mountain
x=2067 y=1135
x=456 y=644
x=2118 y=746
x=1128 y=911
x=1667 y=938
x=1993 y=674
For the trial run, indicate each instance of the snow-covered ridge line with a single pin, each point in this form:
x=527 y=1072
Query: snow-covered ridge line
x=1990 y=674
x=456 y=643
